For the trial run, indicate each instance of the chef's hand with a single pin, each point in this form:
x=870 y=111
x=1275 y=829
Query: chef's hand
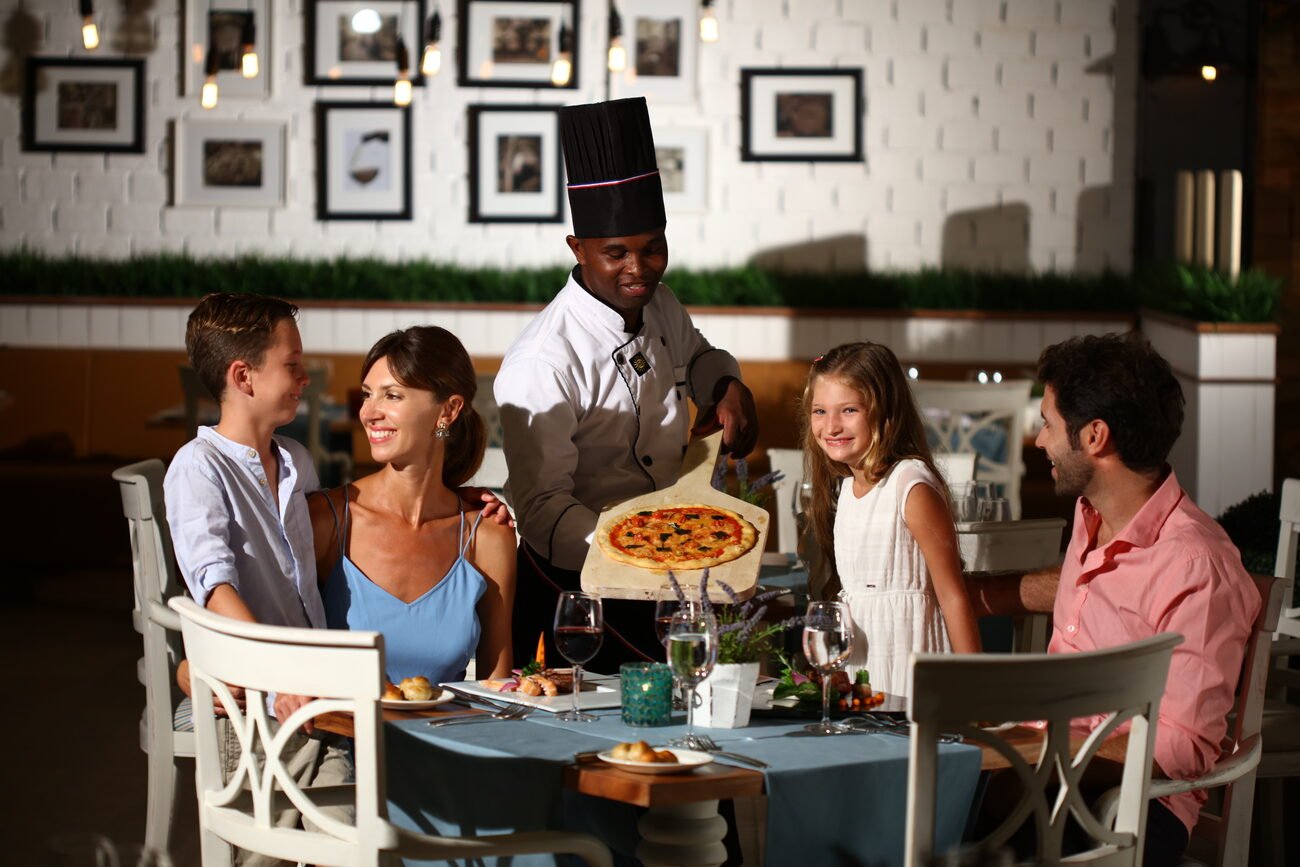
x=494 y=507
x=733 y=413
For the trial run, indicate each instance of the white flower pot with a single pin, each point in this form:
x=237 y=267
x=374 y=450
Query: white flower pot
x=727 y=695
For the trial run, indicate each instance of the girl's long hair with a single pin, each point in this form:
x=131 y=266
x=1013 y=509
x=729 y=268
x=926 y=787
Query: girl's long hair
x=897 y=432
x=433 y=359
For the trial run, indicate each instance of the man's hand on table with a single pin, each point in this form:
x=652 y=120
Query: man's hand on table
x=733 y=413
x=285 y=705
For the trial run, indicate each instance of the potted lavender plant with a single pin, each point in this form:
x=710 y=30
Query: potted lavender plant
x=727 y=694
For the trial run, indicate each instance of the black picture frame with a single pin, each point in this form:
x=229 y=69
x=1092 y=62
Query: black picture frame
x=488 y=205
x=772 y=133
x=412 y=30
x=333 y=200
x=474 y=42
x=45 y=117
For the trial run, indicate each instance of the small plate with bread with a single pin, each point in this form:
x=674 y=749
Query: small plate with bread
x=413 y=693
x=641 y=758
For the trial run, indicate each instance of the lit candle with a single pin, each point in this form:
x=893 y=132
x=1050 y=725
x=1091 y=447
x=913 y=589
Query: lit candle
x=1230 y=223
x=1184 y=216
x=1204 y=240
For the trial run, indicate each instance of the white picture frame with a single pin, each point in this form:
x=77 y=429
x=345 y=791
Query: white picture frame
x=682 y=154
x=209 y=22
x=338 y=54
x=516 y=168
x=363 y=161
x=662 y=42
x=803 y=115
x=234 y=163
x=487 y=59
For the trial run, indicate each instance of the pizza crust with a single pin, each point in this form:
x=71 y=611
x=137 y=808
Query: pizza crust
x=722 y=553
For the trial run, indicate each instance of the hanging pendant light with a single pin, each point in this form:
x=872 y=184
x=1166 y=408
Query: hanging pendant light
x=208 y=96
x=562 y=68
x=617 y=53
x=89 y=30
x=248 y=56
x=431 y=61
x=708 y=23
x=402 y=87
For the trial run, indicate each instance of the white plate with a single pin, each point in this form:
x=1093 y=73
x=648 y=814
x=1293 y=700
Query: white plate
x=604 y=695
x=399 y=704
x=687 y=760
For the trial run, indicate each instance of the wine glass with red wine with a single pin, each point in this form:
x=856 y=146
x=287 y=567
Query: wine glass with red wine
x=579 y=631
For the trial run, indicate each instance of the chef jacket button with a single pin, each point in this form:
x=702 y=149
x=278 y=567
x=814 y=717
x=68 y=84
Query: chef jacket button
x=647 y=460
x=618 y=359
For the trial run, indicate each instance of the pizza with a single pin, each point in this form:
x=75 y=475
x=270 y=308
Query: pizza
x=678 y=537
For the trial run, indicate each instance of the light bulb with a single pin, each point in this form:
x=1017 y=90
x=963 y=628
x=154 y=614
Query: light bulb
x=248 y=64
x=89 y=33
x=402 y=91
x=617 y=55
x=708 y=25
x=561 y=70
x=1209 y=73
x=208 y=98
x=431 y=62
x=913 y=373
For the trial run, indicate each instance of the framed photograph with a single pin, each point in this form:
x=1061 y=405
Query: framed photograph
x=363 y=161
x=513 y=43
x=516 y=172
x=662 y=41
x=218 y=26
x=812 y=115
x=351 y=42
x=682 y=155
x=229 y=163
x=77 y=104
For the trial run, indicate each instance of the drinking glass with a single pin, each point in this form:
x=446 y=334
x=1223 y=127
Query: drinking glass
x=667 y=603
x=579 y=631
x=692 y=651
x=995 y=509
x=827 y=642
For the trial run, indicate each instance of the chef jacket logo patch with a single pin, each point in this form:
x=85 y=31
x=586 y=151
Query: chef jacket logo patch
x=639 y=364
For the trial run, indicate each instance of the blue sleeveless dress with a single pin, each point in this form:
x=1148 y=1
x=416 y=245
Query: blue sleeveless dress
x=435 y=635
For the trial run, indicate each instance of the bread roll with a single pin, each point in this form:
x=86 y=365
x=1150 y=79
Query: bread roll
x=416 y=689
x=391 y=692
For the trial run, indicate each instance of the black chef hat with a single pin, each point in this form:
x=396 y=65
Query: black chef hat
x=609 y=153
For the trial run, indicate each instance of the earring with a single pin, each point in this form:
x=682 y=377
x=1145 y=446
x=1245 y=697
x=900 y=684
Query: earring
x=442 y=433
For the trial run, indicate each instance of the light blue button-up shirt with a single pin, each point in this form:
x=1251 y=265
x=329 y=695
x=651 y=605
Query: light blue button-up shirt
x=226 y=528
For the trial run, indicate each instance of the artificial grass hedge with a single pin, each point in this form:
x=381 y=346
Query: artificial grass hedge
x=1193 y=292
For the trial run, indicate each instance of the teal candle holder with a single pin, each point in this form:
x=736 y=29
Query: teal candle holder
x=647 y=693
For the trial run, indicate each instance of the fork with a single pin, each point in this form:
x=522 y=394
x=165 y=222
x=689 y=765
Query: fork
x=707 y=744
x=518 y=711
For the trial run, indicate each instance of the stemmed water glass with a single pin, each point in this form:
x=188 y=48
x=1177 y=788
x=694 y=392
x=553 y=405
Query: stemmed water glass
x=668 y=602
x=692 y=651
x=579 y=631
x=827 y=642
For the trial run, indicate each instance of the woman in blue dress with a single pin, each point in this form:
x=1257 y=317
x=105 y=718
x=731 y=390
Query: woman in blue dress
x=400 y=551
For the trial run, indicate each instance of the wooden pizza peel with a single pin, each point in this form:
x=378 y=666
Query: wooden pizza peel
x=606 y=578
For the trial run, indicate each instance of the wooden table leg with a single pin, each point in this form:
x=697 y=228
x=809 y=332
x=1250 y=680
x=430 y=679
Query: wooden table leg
x=682 y=834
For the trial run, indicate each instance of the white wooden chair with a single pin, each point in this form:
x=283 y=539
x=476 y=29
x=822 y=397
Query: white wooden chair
x=1281 y=721
x=956 y=412
x=1125 y=683
x=790 y=462
x=155 y=583
x=956 y=467
x=346 y=670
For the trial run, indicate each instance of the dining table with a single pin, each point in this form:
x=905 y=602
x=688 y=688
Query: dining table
x=822 y=799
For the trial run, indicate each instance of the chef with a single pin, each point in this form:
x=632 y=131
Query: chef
x=593 y=394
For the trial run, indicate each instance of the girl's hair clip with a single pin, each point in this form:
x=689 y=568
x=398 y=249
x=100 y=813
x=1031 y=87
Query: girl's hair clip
x=818 y=358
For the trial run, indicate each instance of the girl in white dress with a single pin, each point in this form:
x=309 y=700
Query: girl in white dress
x=881 y=507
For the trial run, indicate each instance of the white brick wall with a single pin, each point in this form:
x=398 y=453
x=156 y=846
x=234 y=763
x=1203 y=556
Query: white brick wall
x=972 y=106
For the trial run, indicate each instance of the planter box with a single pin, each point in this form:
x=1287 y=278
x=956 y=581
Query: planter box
x=1229 y=376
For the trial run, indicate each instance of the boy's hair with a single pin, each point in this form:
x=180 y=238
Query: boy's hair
x=897 y=432
x=433 y=359
x=1124 y=382
x=225 y=328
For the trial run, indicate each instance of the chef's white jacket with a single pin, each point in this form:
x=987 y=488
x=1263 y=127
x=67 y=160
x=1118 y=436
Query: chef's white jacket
x=592 y=414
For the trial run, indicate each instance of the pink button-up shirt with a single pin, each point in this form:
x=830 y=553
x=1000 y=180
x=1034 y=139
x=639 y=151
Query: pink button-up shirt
x=1171 y=569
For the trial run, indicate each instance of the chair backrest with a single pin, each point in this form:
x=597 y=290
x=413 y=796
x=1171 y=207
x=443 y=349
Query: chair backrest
x=789 y=462
x=154 y=567
x=342 y=667
x=987 y=419
x=952 y=693
x=1288 y=543
x=956 y=467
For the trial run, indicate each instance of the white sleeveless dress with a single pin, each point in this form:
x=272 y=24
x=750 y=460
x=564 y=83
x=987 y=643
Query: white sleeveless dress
x=886 y=583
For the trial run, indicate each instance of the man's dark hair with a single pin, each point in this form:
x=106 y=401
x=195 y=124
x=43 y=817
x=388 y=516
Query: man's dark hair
x=1125 y=383
x=225 y=328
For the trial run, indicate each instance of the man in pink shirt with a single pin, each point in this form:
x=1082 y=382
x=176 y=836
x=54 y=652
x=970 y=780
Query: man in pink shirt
x=1142 y=559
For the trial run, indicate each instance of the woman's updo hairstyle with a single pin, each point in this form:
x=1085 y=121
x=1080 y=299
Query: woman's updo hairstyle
x=433 y=359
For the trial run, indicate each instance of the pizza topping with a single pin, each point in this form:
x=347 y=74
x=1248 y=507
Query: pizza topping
x=678 y=537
